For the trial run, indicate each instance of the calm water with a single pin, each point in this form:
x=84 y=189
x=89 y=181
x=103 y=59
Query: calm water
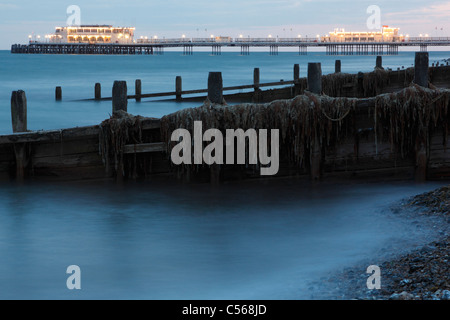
x=38 y=75
x=156 y=241
x=252 y=240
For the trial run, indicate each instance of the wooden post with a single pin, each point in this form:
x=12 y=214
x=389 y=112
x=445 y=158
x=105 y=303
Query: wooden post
x=315 y=86
x=337 y=66
x=138 y=89
x=379 y=62
x=256 y=78
x=98 y=91
x=119 y=96
x=296 y=73
x=215 y=87
x=19 y=124
x=58 y=94
x=296 y=80
x=421 y=161
x=421 y=69
x=256 y=89
x=315 y=78
x=19 y=111
x=360 y=87
x=178 y=88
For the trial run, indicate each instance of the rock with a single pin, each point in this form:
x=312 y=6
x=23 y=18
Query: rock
x=401 y=296
x=445 y=295
x=404 y=282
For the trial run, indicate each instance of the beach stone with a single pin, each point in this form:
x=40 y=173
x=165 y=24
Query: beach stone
x=401 y=296
x=445 y=295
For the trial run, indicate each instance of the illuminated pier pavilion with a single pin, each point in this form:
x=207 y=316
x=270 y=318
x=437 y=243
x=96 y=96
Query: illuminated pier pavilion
x=105 y=39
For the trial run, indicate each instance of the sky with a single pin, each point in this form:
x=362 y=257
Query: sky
x=202 y=18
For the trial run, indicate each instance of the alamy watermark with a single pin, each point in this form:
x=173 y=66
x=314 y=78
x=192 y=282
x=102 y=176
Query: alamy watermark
x=374 y=20
x=374 y=281
x=74 y=280
x=258 y=150
x=73 y=16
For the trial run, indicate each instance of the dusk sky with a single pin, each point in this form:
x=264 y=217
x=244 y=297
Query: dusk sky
x=254 y=18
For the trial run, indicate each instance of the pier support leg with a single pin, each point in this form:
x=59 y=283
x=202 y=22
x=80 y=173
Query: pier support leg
x=119 y=96
x=58 y=94
x=178 y=88
x=215 y=87
x=138 y=89
x=421 y=69
x=19 y=124
x=98 y=91
x=315 y=78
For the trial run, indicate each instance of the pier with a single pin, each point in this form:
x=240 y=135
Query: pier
x=157 y=46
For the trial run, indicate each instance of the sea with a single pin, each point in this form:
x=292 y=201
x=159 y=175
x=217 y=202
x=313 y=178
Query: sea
x=161 y=239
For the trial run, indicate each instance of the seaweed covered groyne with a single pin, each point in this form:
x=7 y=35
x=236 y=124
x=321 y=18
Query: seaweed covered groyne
x=326 y=129
x=315 y=129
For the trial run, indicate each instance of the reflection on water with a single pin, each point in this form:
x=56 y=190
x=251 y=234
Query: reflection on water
x=254 y=240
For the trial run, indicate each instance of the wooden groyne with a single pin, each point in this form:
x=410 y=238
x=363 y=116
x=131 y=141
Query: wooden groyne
x=402 y=134
x=337 y=84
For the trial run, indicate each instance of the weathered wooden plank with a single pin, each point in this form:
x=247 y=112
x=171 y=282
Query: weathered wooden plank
x=145 y=147
x=71 y=133
x=68 y=161
x=65 y=147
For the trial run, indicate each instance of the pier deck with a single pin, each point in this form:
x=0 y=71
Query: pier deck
x=157 y=46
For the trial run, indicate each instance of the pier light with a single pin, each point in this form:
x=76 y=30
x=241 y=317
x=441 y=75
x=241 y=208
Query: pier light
x=183 y=36
x=212 y=36
x=420 y=35
x=426 y=35
x=146 y=37
x=142 y=37
x=299 y=36
x=318 y=36
x=241 y=36
x=269 y=36
x=155 y=37
x=127 y=36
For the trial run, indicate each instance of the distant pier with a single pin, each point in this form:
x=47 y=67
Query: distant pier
x=157 y=46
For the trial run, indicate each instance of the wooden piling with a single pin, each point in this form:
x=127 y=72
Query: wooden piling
x=58 y=94
x=215 y=87
x=256 y=82
x=379 y=62
x=256 y=78
x=98 y=91
x=19 y=124
x=138 y=90
x=119 y=96
x=296 y=72
x=315 y=78
x=421 y=161
x=315 y=86
x=421 y=69
x=337 y=66
x=19 y=111
x=178 y=88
